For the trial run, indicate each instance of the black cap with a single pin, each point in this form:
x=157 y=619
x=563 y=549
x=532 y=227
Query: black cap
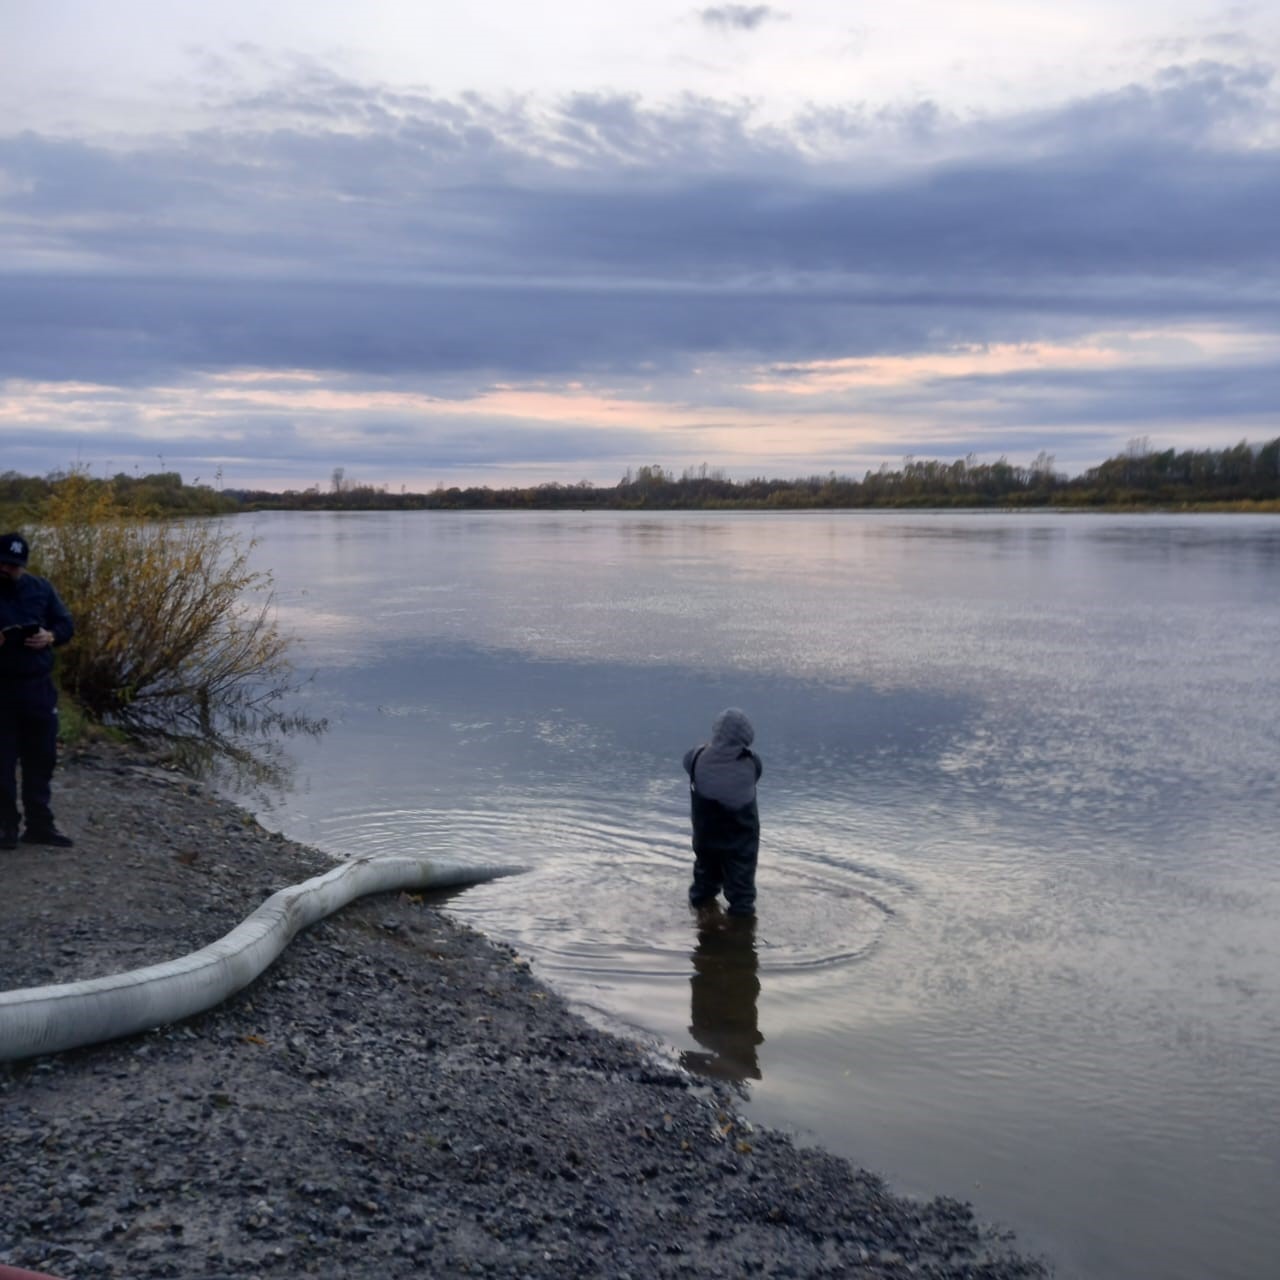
x=14 y=549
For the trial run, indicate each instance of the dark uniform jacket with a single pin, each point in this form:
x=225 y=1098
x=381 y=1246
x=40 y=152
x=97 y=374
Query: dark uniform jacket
x=30 y=601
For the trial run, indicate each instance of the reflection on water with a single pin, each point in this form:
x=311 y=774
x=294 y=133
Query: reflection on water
x=1018 y=879
x=724 y=992
x=243 y=751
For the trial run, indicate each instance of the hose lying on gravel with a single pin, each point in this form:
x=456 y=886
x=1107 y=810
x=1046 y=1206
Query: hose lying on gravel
x=38 y=1020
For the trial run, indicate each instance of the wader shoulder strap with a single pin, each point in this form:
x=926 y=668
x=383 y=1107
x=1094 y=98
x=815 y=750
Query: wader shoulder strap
x=693 y=764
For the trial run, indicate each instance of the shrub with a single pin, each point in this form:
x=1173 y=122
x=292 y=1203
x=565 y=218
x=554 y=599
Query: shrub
x=171 y=624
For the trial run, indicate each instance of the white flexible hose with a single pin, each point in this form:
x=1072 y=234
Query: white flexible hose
x=37 y=1020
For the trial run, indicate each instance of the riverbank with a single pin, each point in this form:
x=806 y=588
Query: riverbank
x=395 y=1097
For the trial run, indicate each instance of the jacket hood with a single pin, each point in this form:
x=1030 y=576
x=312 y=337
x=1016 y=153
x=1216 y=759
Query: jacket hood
x=732 y=729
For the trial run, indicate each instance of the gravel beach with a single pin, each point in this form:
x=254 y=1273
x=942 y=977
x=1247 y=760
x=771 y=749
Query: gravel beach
x=395 y=1097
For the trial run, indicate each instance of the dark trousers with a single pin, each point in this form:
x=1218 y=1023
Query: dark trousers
x=733 y=870
x=28 y=738
x=726 y=845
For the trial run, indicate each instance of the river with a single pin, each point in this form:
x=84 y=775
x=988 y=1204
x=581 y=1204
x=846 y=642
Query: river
x=1019 y=917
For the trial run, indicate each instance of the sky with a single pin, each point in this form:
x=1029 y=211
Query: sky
x=523 y=243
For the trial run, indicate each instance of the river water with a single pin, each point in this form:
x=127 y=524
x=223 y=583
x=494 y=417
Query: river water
x=1019 y=917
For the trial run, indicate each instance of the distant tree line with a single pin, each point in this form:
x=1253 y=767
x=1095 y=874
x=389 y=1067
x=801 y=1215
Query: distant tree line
x=24 y=498
x=1139 y=477
x=1242 y=475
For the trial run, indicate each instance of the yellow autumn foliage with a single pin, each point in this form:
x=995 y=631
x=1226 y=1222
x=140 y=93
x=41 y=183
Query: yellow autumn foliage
x=171 y=622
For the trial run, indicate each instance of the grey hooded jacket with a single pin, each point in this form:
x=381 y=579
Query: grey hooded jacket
x=722 y=786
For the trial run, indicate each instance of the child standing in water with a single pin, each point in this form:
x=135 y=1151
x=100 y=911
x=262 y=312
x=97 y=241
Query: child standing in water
x=726 y=820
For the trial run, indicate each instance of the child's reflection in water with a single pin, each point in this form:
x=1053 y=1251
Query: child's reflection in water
x=724 y=992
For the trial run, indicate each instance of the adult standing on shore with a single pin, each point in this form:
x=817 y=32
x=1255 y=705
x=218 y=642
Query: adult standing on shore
x=32 y=621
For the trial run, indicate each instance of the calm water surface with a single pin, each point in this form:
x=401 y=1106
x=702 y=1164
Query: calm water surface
x=1019 y=932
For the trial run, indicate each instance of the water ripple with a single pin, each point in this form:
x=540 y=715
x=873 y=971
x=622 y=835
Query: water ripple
x=603 y=898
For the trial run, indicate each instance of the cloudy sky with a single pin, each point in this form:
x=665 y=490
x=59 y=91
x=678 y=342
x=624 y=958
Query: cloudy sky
x=548 y=241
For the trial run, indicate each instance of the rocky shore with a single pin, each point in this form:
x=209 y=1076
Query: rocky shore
x=395 y=1097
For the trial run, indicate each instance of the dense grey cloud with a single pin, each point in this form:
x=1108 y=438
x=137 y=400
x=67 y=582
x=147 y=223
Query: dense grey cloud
x=327 y=225
x=132 y=330
x=453 y=239
x=1244 y=395
x=1239 y=395
x=739 y=17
